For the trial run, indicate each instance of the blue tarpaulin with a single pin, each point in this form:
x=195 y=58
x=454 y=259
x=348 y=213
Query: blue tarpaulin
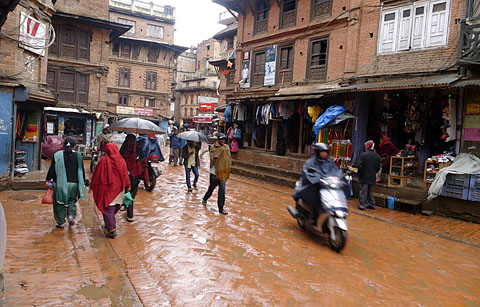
x=327 y=117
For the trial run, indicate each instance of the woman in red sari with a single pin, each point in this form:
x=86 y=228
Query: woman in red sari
x=386 y=149
x=109 y=182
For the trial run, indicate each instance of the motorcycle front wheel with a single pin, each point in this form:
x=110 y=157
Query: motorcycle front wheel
x=340 y=239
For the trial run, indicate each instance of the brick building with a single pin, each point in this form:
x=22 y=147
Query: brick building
x=225 y=62
x=78 y=67
x=26 y=33
x=196 y=92
x=142 y=60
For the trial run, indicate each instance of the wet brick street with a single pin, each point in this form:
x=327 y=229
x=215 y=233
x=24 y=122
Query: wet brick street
x=179 y=253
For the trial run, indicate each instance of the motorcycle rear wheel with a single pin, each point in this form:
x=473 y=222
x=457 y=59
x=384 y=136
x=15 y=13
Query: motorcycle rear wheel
x=340 y=240
x=152 y=182
x=300 y=224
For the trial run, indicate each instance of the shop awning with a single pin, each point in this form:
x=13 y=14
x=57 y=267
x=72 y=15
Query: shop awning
x=304 y=90
x=66 y=110
x=295 y=97
x=400 y=83
x=221 y=108
x=466 y=83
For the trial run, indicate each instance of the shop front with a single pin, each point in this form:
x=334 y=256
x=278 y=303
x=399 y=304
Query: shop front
x=63 y=122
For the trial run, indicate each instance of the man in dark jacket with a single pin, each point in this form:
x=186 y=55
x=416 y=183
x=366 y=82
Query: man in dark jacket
x=368 y=164
x=191 y=162
x=175 y=145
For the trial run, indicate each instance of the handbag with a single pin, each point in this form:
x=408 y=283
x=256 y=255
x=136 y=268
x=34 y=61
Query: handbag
x=48 y=197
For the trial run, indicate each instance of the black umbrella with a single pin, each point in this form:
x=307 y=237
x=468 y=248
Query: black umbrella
x=136 y=125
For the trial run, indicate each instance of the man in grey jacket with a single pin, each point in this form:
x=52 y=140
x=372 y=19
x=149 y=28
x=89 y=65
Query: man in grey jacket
x=368 y=164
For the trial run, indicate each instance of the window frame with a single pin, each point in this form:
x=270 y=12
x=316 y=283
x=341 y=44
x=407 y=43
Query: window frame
x=128 y=22
x=155 y=28
x=281 y=24
x=265 y=10
x=279 y=62
x=147 y=100
x=123 y=100
x=253 y=74
x=57 y=47
x=151 y=84
x=312 y=9
x=122 y=70
x=426 y=24
x=76 y=92
x=310 y=55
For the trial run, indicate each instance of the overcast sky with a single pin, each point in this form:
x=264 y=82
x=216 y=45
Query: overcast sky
x=195 y=20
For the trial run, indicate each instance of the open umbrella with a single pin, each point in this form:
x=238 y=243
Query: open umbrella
x=136 y=125
x=193 y=136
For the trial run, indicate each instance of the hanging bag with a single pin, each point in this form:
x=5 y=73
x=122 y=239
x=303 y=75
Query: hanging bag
x=48 y=197
x=234 y=146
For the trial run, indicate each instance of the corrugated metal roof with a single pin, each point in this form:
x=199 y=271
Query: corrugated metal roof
x=294 y=97
x=413 y=82
x=229 y=29
x=466 y=83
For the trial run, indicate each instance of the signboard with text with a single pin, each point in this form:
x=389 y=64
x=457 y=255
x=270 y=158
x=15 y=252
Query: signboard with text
x=134 y=111
x=205 y=99
x=206 y=107
x=202 y=120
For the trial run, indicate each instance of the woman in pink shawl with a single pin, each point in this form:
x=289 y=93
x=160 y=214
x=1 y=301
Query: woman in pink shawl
x=386 y=149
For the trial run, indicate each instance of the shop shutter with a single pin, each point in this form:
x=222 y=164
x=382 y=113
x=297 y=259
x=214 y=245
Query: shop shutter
x=84 y=45
x=388 y=32
x=68 y=43
x=405 y=28
x=418 y=27
x=66 y=90
x=82 y=88
x=438 y=23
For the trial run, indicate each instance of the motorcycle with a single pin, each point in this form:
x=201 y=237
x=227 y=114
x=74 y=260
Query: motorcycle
x=331 y=192
x=153 y=173
x=95 y=157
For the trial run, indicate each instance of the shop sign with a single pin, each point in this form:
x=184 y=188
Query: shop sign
x=32 y=34
x=89 y=132
x=61 y=126
x=205 y=99
x=473 y=108
x=206 y=107
x=471 y=134
x=134 y=111
x=270 y=56
x=202 y=120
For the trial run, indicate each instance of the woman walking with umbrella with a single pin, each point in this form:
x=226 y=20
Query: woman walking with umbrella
x=136 y=165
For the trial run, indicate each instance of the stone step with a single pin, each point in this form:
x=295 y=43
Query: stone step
x=267 y=169
x=267 y=177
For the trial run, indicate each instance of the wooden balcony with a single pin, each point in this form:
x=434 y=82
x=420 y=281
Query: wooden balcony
x=469 y=45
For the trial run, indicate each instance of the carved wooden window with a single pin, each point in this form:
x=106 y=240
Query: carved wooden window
x=151 y=83
x=321 y=8
x=71 y=87
x=261 y=16
x=124 y=77
x=116 y=49
x=258 y=69
x=123 y=100
x=285 y=64
x=153 y=54
x=71 y=43
x=125 y=51
x=136 y=52
x=317 y=65
x=288 y=14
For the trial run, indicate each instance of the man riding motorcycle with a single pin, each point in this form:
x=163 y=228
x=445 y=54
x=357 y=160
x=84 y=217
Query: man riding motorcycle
x=314 y=169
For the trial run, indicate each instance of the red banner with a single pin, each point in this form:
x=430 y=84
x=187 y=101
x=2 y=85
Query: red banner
x=202 y=120
x=206 y=107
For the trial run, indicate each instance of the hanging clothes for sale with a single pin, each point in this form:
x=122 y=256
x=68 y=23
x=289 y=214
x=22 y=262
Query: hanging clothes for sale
x=240 y=112
x=228 y=114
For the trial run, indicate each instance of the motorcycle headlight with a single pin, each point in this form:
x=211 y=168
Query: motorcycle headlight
x=340 y=213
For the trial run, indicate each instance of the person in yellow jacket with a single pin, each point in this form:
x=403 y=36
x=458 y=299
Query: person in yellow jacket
x=220 y=164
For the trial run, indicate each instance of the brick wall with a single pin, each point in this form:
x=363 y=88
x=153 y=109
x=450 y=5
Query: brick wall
x=25 y=66
x=141 y=26
x=91 y=8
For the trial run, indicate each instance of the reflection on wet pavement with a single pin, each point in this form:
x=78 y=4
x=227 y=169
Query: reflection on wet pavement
x=257 y=255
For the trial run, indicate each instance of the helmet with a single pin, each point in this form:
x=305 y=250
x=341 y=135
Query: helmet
x=106 y=126
x=221 y=136
x=321 y=147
